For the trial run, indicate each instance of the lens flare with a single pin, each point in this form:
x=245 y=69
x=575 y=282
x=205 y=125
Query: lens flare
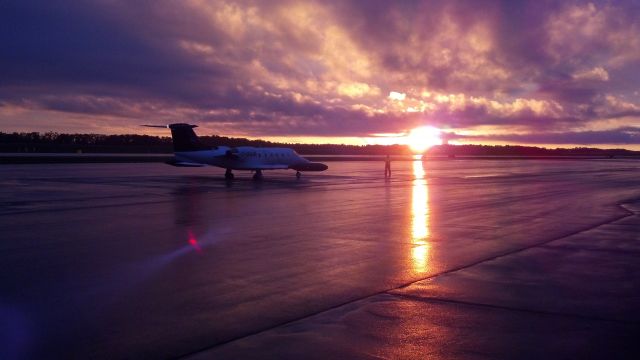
x=194 y=242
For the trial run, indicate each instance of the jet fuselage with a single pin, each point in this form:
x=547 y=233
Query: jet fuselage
x=248 y=158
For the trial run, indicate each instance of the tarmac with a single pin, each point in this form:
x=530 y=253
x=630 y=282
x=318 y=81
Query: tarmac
x=446 y=260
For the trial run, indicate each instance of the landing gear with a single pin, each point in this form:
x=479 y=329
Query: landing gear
x=257 y=175
x=298 y=174
x=228 y=175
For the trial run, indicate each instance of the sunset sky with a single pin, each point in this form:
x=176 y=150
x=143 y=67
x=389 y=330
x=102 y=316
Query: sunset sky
x=552 y=73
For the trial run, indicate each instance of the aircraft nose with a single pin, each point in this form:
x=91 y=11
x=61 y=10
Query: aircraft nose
x=317 y=167
x=310 y=166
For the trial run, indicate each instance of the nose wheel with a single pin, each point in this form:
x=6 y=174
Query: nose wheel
x=228 y=175
x=257 y=175
x=298 y=174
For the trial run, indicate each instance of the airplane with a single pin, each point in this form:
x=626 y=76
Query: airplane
x=190 y=152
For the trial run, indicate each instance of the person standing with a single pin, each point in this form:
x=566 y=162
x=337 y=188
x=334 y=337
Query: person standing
x=387 y=167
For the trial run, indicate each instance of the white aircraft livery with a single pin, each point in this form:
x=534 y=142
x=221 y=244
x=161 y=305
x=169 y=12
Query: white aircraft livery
x=190 y=152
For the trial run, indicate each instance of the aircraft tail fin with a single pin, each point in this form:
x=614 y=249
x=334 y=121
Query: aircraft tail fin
x=183 y=137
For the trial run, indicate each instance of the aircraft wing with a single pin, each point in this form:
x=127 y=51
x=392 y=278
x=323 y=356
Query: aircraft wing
x=270 y=166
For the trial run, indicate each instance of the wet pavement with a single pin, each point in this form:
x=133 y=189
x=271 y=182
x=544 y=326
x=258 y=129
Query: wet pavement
x=448 y=259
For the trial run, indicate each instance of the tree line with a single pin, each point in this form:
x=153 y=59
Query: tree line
x=52 y=142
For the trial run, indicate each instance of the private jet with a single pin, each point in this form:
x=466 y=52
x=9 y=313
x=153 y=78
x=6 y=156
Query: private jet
x=190 y=152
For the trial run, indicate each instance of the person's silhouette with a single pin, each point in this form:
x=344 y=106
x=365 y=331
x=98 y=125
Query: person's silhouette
x=387 y=167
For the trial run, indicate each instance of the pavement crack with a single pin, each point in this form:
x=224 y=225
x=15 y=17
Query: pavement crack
x=587 y=248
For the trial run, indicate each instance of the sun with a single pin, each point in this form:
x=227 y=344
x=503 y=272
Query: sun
x=422 y=138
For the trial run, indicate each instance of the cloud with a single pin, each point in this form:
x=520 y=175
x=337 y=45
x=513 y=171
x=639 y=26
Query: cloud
x=398 y=96
x=356 y=89
x=584 y=33
x=316 y=68
x=595 y=74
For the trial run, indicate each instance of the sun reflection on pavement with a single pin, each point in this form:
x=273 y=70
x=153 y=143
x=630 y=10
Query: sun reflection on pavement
x=419 y=218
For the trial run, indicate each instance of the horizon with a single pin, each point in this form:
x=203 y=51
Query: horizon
x=288 y=141
x=531 y=73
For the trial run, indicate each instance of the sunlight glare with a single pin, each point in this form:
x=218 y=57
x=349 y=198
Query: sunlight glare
x=422 y=138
